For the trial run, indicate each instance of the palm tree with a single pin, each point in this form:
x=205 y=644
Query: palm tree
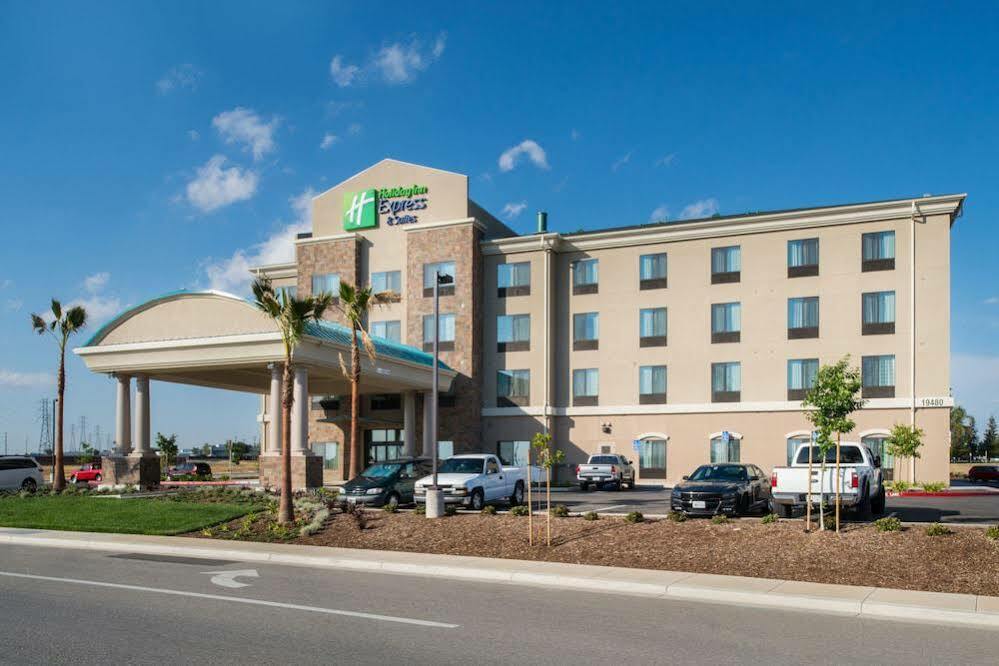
x=291 y=314
x=63 y=325
x=355 y=302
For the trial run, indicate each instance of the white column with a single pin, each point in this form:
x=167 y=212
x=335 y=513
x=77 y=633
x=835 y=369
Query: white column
x=274 y=410
x=300 y=413
x=409 y=423
x=428 y=437
x=123 y=416
x=143 y=445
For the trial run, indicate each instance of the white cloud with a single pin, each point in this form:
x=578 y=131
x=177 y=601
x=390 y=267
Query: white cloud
x=354 y=129
x=992 y=300
x=702 y=208
x=99 y=308
x=659 y=214
x=621 y=161
x=535 y=153
x=214 y=187
x=246 y=127
x=13 y=305
x=400 y=63
x=96 y=282
x=665 y=160
x=233 y=274
x=574 y=134
x=181 y=77
x=343 y=74
x=12 y=379
x=328 y=141
x=439 y=44
x=4 y=284
x=513 y=209
x=193 y=135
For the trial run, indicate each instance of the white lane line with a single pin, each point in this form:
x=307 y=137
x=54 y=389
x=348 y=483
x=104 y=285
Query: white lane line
x=610 y=508
x=238 y=600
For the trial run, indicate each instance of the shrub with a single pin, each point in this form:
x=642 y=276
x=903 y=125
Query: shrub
x=635 y=517
x=560 y=510
x=719 y=519
x=769 y=518
x=936 y=529
x=420 y=509
x=898 y=486
x=281 y=532
x=519 y=510
x=390 y=508
x=489 y=510
x=992 y=533
x=888 y=524
x=677 y=516
x=358 y=515
x=591 y=515
x=450 y=509
x=934 y=487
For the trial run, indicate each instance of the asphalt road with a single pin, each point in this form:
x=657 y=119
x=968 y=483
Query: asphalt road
x=651 y=500
x=172 y=613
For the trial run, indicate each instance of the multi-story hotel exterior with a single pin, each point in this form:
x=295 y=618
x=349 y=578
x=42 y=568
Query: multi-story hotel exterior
x=674 y=343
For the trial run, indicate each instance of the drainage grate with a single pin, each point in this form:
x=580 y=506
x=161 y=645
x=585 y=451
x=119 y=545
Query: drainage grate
x=170 y=559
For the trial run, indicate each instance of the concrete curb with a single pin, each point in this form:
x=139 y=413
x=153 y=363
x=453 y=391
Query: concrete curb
x=879 y=603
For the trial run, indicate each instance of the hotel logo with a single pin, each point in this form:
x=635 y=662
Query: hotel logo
x=360 y=210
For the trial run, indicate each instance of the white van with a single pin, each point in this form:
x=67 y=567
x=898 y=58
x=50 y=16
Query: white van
x=20 y=473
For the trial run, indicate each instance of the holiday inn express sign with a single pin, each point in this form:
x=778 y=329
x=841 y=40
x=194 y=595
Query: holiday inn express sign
x=361 y=210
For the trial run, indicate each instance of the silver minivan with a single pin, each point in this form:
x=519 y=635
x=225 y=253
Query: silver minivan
x=20 y=473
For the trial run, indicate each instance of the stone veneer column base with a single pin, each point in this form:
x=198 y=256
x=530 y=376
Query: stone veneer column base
x=130 y=470
x=306 y=471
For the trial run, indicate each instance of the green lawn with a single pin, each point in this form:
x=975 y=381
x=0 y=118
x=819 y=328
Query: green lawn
x=96 y=514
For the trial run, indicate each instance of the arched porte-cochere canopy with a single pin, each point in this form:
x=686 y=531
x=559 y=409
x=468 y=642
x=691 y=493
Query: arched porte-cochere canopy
x=218 y=340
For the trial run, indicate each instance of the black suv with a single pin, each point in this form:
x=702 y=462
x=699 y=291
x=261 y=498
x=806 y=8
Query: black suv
x=729 y=488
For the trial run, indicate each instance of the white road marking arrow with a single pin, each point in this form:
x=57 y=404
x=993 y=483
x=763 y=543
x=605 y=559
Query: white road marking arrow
x=228 y=578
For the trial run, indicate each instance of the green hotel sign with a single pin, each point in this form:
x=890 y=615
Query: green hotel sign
x=361 y=210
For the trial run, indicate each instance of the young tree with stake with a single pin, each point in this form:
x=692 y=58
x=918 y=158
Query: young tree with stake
x=547 y=458
x=905 y=442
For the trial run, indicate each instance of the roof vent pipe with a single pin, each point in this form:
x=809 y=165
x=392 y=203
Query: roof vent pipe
x=542 y=222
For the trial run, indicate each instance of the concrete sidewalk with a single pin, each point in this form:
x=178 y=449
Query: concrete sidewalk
x=884 y=603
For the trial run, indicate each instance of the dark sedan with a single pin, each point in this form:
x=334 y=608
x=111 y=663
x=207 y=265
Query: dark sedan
x=725 y=488
x=190 y=470
x=390 y=482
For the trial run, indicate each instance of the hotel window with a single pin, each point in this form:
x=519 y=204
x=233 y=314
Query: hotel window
x=878 y=251
x=792 y=445
x=652 y=271
x=652 y=384
x=429 y=273
x=802 y=257
x=585 y=276
x=801 y=373
x=390 y=330
x=876 y=443
x=878 y=313
x=726 y=382
x=878 y=376
x=387 y=281
x=513 y=333
x=652 y=327
x=445 y=449
x=329 y=452
x=326 y=283
x=386 y=401
x=802 y=318
x=446 y=332
x=585 y=331
x=726 y=322
x=726 y=264
x=513 y=279
x=513 y=453
x=585 y=387
x=513 y=387
x=326 y=403
x=725 y=453
x=286 y=292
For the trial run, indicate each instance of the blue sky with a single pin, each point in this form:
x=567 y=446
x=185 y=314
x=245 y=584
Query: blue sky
x=146 y=147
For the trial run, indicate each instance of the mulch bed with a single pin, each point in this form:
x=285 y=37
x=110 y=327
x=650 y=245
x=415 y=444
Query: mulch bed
x=964 y=561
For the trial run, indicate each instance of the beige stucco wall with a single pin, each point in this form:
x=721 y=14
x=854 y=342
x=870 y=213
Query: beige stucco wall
x=193 y=316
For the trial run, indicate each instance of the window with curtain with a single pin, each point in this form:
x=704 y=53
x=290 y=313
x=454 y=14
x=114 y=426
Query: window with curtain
x=652 y=459
x=652 y=384
x=726 y=322
x=803 y=317
x=445 y=326
x=513 y=332
x=585 y=384
x=390 y=330
x=445 y=449
x=585 y=330
x=586 y=272
x=329 y=452
x=430 y=271
x=326 y=283
x=878 y=376
x=801 y=374
x=652 y=271
x=513 y=279
x=513 y=453
x=513 y=386
x=802 y=253
x=876 y=443
x=878 y=312
x=386 y=281
x=792 y=445
x=726 y=264
x=726 y=382
x=652 y=327
x=878 y=250
x=725 y=453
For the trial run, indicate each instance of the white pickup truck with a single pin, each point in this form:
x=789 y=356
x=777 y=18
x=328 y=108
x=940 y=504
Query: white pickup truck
x=474 y=480
x=861 y=485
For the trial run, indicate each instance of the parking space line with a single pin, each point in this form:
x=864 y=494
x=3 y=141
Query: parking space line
x=237 y=600
x=611 y=508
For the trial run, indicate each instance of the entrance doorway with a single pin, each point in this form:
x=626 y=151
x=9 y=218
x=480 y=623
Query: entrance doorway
x=382 y=444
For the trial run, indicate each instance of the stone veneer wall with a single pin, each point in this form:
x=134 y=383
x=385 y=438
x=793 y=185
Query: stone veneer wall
x=341 y=256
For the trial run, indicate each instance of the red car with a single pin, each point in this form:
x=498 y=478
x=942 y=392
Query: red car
x=983 y=473
x=87 y=473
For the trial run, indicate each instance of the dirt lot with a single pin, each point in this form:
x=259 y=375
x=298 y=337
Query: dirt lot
x=964 y=561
